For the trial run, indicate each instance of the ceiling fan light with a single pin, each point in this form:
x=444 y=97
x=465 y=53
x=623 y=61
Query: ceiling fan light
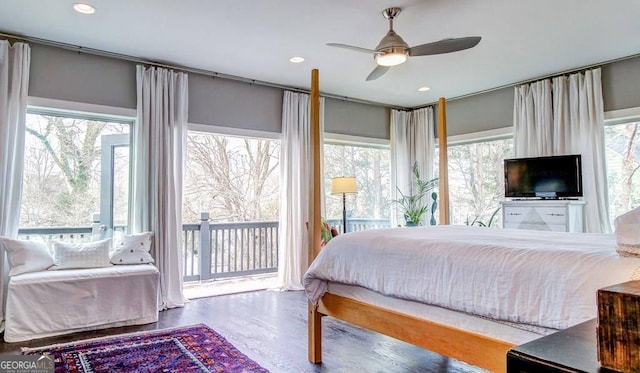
x=390 y=59
x=84 y=8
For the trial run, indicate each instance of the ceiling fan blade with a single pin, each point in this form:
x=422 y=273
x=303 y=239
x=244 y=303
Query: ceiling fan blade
x=351 y=47
x=377 y=72
x=444 y=46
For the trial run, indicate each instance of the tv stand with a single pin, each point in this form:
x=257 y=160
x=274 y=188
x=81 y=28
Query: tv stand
x=560 y=215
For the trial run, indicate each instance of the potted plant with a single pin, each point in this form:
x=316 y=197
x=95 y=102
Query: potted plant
x=415 y=205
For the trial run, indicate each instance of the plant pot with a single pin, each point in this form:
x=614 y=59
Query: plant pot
x=410 y=224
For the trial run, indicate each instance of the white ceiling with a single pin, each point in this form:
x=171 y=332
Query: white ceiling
x=521 y=39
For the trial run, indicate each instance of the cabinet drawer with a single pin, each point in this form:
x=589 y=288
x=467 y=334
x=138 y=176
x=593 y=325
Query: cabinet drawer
x=546 y=215
x=537 y=226
x=552 y=215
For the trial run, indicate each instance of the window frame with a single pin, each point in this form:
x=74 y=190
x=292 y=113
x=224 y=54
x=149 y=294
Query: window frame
x=79 y=110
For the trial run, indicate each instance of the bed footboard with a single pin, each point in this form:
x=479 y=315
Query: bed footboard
x=472 y=348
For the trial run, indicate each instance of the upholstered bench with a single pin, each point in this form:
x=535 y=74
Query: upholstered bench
x=47 y=303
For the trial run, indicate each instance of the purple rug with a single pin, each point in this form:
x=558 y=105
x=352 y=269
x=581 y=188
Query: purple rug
x=195 y=348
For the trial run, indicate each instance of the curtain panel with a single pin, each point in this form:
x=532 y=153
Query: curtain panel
x=14 y=83
x=157 y=156
x=295 y=190
x=565 y=115
x=412 y=142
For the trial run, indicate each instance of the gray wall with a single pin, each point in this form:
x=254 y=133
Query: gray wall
x=72 y=76
x=620 y=90
x=480 y=112
x=62 y=74
x=356 y=119
x=230 y=103
x=621 y=84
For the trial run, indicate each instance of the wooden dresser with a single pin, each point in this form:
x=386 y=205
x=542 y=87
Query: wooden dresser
x=544 y=215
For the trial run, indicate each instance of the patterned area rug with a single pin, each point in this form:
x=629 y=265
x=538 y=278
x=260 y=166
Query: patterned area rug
x=195 y=348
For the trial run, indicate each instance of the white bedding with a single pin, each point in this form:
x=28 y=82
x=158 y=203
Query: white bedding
x=48 y=303
x=459 y=320
x=546 y=279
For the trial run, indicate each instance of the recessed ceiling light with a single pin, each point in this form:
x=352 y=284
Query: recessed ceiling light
x=84 y=8
x=423 y=89
x=296 y=59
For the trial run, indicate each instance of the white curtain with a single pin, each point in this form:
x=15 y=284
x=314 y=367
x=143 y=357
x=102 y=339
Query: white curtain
x=412 y=142
x=14 y=83
x=159 y=143
x=566 y=116
x=295 y=191
x=533 y=120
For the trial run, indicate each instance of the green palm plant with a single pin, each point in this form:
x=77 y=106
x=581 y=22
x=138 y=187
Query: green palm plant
x=414 y=205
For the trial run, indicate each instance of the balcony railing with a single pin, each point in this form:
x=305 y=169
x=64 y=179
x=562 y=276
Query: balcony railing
x=209 y=250
x=229 y=249
x=213 y=250
x=359 y=224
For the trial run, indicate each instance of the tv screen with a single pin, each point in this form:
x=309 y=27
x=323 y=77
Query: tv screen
x=543 y=177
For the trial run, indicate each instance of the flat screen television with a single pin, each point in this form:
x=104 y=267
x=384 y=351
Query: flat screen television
x=543 y=177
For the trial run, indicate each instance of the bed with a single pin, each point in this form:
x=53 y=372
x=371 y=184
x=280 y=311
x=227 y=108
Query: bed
x=470 y=293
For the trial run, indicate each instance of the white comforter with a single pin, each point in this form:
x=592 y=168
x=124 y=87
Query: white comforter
x=540 y=278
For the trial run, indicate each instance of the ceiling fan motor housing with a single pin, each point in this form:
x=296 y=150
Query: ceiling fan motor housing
x=393 y=44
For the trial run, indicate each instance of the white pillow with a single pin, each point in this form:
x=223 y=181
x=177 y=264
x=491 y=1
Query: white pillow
x=26 y=255
x=132 y=249
x=628 y=233
x=81 y=255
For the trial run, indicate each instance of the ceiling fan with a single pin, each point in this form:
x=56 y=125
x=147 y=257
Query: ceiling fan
x=392 y=50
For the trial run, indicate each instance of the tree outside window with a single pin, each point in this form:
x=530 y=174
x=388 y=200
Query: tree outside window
x=623 y=161
x=371 y=168
x=476 y=180
x=233 y=178
x=62 y=178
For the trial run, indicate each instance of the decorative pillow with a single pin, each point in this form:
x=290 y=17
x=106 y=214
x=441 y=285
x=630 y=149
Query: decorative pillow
x=81 y=255
x=628 y=233
x=26 y=255
x=132 y=249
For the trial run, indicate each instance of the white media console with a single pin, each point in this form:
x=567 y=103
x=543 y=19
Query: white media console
x=544 y=215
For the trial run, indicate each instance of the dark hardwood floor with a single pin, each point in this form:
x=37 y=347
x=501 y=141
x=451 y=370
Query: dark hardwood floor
x=271 y=328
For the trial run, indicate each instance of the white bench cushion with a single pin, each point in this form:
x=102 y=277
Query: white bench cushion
x=48 y=303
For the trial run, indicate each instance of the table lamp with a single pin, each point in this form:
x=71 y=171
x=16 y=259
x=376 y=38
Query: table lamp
x=344 y=185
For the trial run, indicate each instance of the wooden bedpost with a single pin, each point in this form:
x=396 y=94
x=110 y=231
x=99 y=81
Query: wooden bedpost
x=443 y=171
x=315 y=186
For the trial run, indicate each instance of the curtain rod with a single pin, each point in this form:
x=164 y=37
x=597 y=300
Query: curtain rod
x=102 y=53
x=565 y=72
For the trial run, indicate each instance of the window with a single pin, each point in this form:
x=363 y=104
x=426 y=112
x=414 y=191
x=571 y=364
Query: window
x=234 y=179
x=370 y=207
x=75 y=166
x=623 y=160
x=476 y=181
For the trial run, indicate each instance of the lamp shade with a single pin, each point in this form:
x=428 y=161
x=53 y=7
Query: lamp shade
x=346 y=185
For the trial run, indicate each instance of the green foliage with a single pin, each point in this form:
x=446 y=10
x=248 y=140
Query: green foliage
x=325 y=232
x=413 y=205
x=479 y=223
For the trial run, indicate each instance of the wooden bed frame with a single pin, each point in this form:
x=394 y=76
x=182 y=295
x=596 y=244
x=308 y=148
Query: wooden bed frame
x=472 y=348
